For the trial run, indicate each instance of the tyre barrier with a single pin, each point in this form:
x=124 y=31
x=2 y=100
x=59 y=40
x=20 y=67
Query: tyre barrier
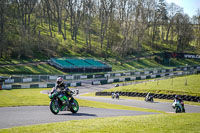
x=159 y=96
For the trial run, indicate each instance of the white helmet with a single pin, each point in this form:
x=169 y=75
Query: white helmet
x=59 y=80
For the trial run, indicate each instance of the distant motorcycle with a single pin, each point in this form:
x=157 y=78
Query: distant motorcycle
x=117 y=85
x=149 y=98
x=56 y=104
x=115 y=95
x=178 y=106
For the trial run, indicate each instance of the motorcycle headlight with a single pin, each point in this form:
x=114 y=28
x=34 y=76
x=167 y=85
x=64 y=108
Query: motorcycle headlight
x=50 y=96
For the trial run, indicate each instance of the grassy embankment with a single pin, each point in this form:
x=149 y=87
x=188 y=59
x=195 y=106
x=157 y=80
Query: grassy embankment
x=116 y=66
x=78 y=48
x=176 y=85
x=167 y=123
x=185 y=85
x=70 y=48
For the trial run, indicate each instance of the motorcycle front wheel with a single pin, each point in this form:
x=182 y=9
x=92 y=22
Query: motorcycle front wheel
x=178 y=109
x=74 y=106
x=152 y=100
x=54 y=106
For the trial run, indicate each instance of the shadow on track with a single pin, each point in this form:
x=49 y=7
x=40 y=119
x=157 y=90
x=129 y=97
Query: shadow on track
x=79 y=114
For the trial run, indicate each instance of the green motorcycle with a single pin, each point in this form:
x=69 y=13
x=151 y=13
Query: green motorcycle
x=57 y=105
x=178 y=106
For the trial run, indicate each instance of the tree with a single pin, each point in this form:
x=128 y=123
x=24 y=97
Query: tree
x=196 y=26
x=173 y=9
x=76 y=16
x=184 y=31
x=48 y=10
x=104 y=13
x=88 y=11
x=155 y=18
x=3 y=8
x=162 y=14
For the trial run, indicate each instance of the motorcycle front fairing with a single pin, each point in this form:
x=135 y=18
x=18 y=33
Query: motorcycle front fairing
x=176 y=103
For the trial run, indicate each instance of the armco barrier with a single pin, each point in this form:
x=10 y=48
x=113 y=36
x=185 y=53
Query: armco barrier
x=6 y=87
x=16 y=86
x=34 y=86
x=110 y=80
x=136 y=73
x=50 y=85
x=159 y=96
x=42 y=85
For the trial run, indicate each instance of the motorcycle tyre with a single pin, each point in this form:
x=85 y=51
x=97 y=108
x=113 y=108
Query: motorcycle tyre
x=72 y=109
x=178 y=110
x=51 y=107
x=152 y=100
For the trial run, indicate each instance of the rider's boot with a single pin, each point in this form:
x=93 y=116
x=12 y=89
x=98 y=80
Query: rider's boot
x=183 y=109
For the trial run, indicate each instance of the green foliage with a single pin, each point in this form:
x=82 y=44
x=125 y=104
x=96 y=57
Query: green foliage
x=149 y=63
x=40 y=38
x=36 y=41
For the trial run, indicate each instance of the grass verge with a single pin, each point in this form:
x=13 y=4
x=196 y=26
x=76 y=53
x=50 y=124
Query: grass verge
x=167 y=123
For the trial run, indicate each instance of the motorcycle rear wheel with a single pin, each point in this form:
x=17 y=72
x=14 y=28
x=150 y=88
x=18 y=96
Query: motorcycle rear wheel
x=54 y=107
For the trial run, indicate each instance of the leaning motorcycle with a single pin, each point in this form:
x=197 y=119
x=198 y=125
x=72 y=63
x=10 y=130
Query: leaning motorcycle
x=56 y=104
x=149 y=99
x=178 y=106
x=115 y=95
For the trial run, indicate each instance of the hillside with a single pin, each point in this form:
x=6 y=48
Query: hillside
x=40 y=30
x=44 y=68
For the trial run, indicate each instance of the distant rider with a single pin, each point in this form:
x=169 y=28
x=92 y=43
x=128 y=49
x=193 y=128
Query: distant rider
x=181 y=102
x=148 y=97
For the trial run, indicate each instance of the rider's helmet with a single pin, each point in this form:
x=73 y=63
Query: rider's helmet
x=59 y=81
x=176 y=96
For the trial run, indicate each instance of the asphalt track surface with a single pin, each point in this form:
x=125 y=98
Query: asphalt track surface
x=33 y=115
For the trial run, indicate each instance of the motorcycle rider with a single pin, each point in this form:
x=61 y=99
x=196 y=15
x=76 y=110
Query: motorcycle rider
x=181 y=102
x=149 y=97
x=63 y=90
